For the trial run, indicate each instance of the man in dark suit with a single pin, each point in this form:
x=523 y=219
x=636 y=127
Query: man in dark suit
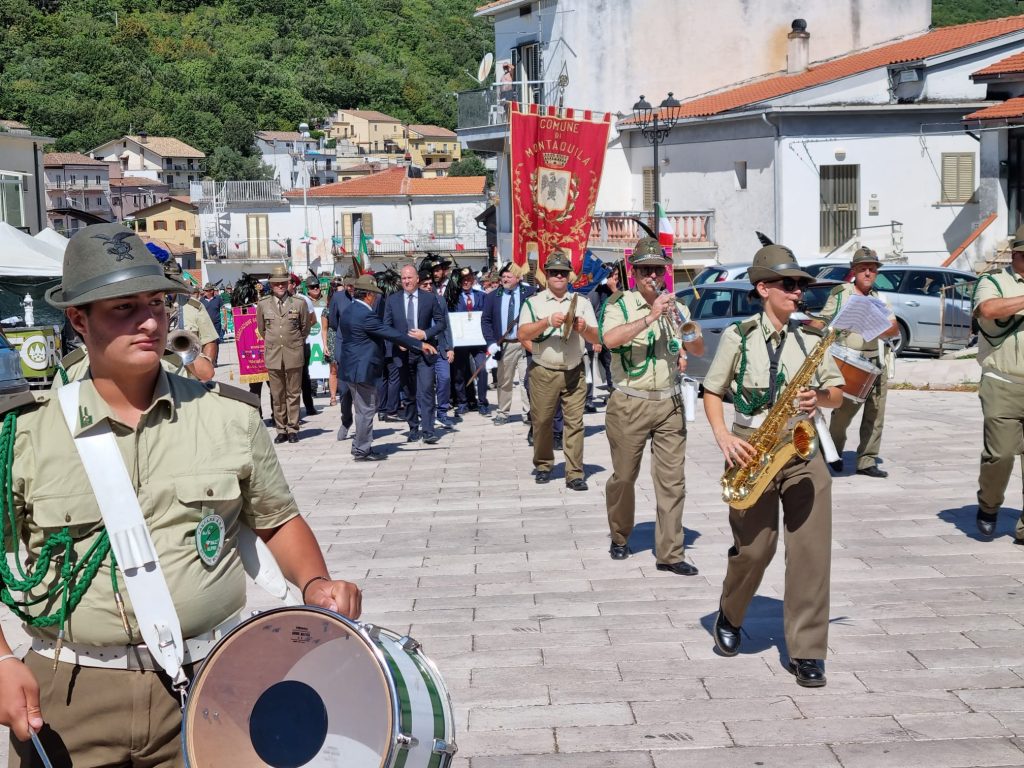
x=417 y=314
x=499 y=324
x=469 y=359
x=362 y=360
x=340 y=301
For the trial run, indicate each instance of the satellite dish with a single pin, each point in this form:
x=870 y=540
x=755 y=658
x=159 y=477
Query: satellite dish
x=485 y=67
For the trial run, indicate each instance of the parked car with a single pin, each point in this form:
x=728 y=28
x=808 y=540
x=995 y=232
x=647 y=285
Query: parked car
x=716 y=306
x=718 y=273
x=928 y=301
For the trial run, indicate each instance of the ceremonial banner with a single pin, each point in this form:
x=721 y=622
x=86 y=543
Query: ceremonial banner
x=251 y=365
x=557 y=157
x=319 y=365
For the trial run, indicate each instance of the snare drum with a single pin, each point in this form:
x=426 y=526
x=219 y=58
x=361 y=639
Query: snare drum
x=859 y=372
x=295 y=687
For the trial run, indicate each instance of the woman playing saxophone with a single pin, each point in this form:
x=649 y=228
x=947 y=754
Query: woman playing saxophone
x=758 y=360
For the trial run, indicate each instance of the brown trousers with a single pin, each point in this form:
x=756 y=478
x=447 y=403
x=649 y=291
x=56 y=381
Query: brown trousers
x=805 y=490
x=285 y=394
x=629 y=422
x=1002 y=405
x=546 y=387
x=107 y=718
x=871 y=424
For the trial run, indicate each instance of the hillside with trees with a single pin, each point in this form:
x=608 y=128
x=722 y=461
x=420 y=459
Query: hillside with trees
x=945 y=13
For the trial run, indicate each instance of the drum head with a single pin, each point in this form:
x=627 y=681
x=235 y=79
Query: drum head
x=291 y=687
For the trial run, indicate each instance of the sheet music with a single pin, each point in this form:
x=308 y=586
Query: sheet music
x=866 y=315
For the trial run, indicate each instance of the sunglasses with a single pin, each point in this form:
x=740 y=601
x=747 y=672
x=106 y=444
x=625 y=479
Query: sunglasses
x=558 y=274
x=790 y=284
x=649 y=270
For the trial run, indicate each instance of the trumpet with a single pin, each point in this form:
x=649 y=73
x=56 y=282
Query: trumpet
x=184 y=344
x=678 y=330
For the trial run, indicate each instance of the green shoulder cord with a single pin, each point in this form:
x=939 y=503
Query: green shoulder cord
x=63 y=374
x=1009 y=326
x=547 y=333
x=75 y=574
x=625 y=352
x=748 y=406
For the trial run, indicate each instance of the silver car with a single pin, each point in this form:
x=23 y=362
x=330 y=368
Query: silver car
x=930 y=303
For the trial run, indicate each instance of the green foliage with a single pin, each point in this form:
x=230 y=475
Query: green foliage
x=948 y=12
x=213 y=73
x=226 y=163
x=470 y=165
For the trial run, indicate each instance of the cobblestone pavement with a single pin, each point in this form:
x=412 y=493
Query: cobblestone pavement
x=556 y=656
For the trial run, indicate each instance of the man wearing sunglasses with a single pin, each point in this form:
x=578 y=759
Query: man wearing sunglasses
x=642 y=329
x=755 y=360
x=556 y=371
x=999 y=310
x=865 y=266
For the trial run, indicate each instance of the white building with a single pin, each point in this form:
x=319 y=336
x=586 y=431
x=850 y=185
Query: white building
x=161 y=158
x=22 y=200
x=253 y=225
x=298 y=161
x=77 y=191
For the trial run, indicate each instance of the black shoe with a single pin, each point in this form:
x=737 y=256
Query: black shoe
x=808 y=672
x=577 y=484
x=873 y=471
x=500 y=419
x=432 y=438
x=543 y=476
x=485 y=411
x=529 y=437
x=293 y=438
x=557 y=443
x=281 y=438
x=312 y=412
x=987 y=522
x=590 y=408
x=727 y=637
x=836 y=466
x=414 y=436
x=618 y=552
x=371 y=456
x=682 y=568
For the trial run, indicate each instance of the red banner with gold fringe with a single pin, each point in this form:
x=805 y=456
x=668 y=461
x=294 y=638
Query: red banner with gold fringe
x=557 y=157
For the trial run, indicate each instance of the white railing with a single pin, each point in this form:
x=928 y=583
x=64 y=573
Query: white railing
x=236 y=191
x=78 y=186
x=691 y=229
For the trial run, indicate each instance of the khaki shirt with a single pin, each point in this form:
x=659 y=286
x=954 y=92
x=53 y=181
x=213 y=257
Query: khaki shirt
x=645 y=363
x=284 y=328
x=722 y=375
x=550 y=349
x=1001 y=354
x=197 y=320
x=195 y=451
x=836 y=301
x=76 y=364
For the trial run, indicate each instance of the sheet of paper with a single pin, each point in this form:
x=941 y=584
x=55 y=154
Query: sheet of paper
x=866 y=315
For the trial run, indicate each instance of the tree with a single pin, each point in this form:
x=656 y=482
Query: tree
x=469 y=165
x=227 y=164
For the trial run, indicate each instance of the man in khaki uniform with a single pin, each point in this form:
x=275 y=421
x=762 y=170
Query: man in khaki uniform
x=557 y=369
x=196 y=320
x=642 y=328
x=999 y=311
x=865 y=266
x=284 y=321
x=193 y=452
x=754 y=361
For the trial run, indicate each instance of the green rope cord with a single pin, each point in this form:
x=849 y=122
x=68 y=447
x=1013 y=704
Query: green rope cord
x=1010 y=325
x=625 y=352
x=75 y=576
x=746 y=404
x=63 y=375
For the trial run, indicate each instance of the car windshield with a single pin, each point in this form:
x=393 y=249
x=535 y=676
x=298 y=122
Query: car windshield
x=709 y=275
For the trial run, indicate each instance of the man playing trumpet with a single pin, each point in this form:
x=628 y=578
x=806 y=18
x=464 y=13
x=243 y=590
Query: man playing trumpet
x=643 y=330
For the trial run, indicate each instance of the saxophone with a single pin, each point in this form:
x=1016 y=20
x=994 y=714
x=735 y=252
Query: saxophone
x=777 y=440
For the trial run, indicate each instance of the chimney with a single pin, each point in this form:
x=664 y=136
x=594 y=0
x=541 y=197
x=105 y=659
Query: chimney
x=798 y=53
x=143 y=136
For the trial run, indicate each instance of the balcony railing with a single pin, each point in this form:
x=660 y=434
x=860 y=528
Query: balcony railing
x=618 y=230
x=404 y=245
x=228 y=192
x=482 y=107
x=78 y=185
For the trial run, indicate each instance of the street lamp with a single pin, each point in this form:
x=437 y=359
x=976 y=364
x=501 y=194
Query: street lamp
x=304 y=132
x=655 y=126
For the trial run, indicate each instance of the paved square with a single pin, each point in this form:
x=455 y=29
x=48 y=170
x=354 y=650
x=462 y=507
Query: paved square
x=557 y=656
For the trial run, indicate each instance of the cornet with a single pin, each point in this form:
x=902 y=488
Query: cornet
x=185 y=345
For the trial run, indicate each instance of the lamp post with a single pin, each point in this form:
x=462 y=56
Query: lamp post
x=655 y=126
x=304 y=131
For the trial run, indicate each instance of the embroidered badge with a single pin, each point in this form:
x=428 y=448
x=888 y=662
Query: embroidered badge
x=116 y=245
x=210 y=539
x=84 y=417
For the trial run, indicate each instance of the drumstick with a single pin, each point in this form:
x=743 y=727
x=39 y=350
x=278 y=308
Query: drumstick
x=39 y=749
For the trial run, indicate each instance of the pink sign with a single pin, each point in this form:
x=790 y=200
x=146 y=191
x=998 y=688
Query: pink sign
x=251 y=365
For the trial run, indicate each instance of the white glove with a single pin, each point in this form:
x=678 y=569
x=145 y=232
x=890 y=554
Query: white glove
x=493 y=350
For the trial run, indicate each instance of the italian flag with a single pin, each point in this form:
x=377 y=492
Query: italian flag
x=364 y=250
x=666 y=239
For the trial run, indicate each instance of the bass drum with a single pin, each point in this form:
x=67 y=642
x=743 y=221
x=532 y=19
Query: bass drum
x=296 y=687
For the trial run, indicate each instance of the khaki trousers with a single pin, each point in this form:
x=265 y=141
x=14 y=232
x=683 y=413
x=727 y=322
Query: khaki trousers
x=629 y=422
x=285 y=394
x=546 y=388
x=511 y=366
x=805 y=490
x=871 y=424
x=103 y=717
x=1002 y=405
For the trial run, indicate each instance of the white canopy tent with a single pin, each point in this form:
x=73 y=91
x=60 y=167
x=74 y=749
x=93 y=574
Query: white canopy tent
x=22 y=255
x=52 y=237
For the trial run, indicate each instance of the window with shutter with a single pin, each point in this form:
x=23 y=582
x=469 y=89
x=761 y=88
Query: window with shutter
x=256 y=228
x=648 y=189
x=444 y=223
x=367 y=219
x=957 y=177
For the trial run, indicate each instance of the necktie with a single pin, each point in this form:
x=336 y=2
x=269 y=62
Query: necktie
x=410 y=314
x=469 y=302
x=511 y=308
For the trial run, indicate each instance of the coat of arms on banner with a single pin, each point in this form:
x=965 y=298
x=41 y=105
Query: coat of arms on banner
x=557 y=157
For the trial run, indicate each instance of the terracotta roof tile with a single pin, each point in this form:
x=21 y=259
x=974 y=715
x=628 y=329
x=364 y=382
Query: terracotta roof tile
x=279 y=135
x=393 y=183
x=371 y=115
x=432 y=131
x=168 y=146
x=136 y=181
x=932 y=43
x=1010 y=65
x=498 y=4
x=1008 y=108
x=57 y=159
x=13 y=125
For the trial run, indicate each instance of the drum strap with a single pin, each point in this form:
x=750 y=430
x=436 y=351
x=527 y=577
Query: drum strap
x=129 y=538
